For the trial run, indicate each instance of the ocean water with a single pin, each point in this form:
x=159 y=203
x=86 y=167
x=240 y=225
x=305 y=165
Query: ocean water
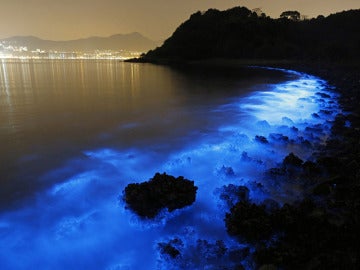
x=74 y=133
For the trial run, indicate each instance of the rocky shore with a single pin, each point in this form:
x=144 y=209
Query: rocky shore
x=321 y=231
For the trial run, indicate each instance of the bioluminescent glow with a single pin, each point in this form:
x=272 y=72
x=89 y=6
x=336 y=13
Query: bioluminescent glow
x=82 y=222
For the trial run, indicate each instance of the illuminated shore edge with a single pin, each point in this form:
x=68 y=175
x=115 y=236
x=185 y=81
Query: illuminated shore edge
x=82 y=223
x=71 y=56
x=91 y=57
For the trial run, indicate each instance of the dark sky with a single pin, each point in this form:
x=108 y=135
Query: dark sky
x=156 y=19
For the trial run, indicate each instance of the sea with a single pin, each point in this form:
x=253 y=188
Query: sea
x=75 y=133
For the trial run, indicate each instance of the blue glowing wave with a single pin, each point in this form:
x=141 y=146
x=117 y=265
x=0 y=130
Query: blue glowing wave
x=82 y=224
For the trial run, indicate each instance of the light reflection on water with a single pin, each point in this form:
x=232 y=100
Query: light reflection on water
x=80 y=223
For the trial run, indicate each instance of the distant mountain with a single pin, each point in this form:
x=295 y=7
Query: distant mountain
x=130 y=42
x=241 y=33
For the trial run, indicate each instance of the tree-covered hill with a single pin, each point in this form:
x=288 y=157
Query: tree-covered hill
x=241 y=33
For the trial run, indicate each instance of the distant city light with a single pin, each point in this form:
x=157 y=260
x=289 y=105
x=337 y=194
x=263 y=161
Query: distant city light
x=8 y=51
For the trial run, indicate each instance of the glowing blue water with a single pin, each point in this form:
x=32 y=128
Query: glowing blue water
x=80 y=223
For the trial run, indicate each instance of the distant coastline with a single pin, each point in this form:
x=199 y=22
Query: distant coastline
x=114 y=47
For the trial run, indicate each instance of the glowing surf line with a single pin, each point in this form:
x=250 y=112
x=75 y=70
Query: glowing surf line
x=81 y=222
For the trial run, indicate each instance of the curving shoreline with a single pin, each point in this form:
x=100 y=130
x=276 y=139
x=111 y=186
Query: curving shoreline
x=336 y=199
x=310 y=221
x=200 y=228
x=328 y=217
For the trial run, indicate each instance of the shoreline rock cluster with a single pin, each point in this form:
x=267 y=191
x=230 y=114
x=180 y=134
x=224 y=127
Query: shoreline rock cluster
x=320 y=231
x=148 y=198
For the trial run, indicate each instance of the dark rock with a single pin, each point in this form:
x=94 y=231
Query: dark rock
x=227 y=171
x=273 y=172
x=278 y=137
x=239 y=255
x=162 y=191
x=233 y=194
x=304 y=142
x=311 y=169
x=330 y=163
x=323 y=189
x=268 y=267
x=309 y=231
x=326 y=112
x=261 y=139
x=245 y=156
x=168 y=249
x=238 y=267
x=307 y=144
x=323 y=95
x=271 y=205
x=249 y=222
x=352 y=168
x=292 y=160
x=314 y=129
x=211 y=251
x=256 y=186
x=276 y=176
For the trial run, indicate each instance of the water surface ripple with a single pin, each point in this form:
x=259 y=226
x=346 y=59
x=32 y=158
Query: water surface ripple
x=78 y=220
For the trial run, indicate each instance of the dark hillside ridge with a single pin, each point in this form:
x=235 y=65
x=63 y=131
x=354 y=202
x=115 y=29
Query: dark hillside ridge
x=242 y=34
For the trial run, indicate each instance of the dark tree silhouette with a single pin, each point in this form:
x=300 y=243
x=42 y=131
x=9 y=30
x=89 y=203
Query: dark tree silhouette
x=240 y=33
x=291 y=15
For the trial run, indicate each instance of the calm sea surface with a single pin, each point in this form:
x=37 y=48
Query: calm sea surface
x=50 y=111
x=73 y=134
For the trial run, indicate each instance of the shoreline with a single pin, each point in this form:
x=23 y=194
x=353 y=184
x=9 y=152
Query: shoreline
x=333 y=208
x=334 y=202
x=344 y=77
x=336 y=196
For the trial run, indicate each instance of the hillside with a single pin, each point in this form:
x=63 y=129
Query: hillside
x=241 y=33
x=129 y=42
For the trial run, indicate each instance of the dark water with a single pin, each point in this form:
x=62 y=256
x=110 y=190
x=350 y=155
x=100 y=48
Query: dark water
x=52 y=110
x=74 y=133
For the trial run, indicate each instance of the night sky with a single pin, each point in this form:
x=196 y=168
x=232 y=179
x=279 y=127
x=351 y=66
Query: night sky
x=156 y=19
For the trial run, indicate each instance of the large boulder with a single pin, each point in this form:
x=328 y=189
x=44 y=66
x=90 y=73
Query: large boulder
x=162 y=191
